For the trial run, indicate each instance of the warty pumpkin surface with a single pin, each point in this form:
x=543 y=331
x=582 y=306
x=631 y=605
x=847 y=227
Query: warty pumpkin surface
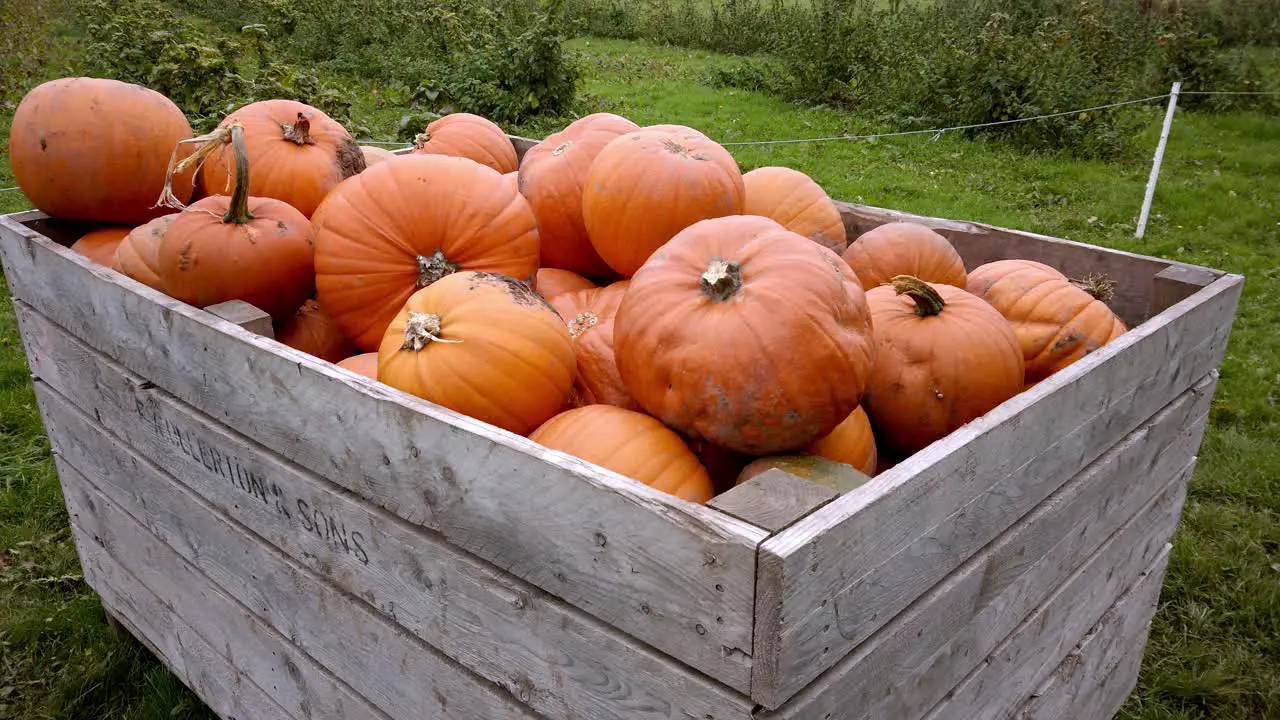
x=797 y=202
x=852 y=443
x=312 y=331
x=904 y=248
x=589 y=314
x=551 y=281
x=743 y=333
x=468 y=136
x=100 y=245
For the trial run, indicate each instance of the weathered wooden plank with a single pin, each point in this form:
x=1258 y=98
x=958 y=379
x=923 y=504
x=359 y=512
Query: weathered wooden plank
x=897 y=674
x=1175 y=284
x=773 y=500
x=836 y=576
x=564 y=662
x=241 y=313
x=343 y=635
x=673 y=574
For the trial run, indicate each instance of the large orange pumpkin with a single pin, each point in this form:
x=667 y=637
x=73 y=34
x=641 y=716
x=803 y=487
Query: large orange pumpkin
x=97 y=150
x=469 y=136
x=298 y=154
x=631 y=444
x=399 y=226
x=138 y=254
x=589 y=315
x=851 y=443
x=484 y=345
x=797 y=202
x=100 y=245
x=374 y=155
x=1056 y=322
x=553 y=175
x=943 y=358
x=365 y=364
x=743 y=333
x=551 y=282
x=312 y=331
x=648 y=185
x=254 y=249
x=904 y=248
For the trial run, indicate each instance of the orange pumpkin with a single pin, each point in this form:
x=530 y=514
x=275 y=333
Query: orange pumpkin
x=254 y=249
x=365 y=364
x=851 y=443
x=631 y=444
x=513 y=179
x=816 y=469
x=553 y=175
x=483 y=345
x=100 y=245
x=1056 y=321
x=312 y=331
x=297 y=152
x=797 y=202
x=375 y=155
x=97 y=150
x=551 y=282
x=469 y=136
x=138 y=254
x=646 y=186
x=717 y=336
x=399 y=226
x=904 y=248
x=943 y=358
x=589 y=315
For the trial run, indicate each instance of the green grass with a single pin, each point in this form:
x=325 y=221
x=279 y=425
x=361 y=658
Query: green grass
x=1215 y=645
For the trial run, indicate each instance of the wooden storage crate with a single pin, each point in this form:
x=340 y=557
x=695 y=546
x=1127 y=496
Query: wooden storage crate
x=296 y=541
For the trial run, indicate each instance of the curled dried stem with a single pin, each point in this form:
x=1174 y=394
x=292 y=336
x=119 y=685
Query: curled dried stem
x=421 y=330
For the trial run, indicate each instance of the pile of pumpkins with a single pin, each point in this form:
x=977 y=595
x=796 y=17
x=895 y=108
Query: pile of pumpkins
x=622 y=294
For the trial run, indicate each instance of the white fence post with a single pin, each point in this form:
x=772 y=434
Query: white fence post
x=1155 y=165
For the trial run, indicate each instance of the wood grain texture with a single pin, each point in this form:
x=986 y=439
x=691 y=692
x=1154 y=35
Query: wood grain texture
x=773 y=500
x=1175 y=284
x=673 y=574
x=838 y=575
x=560 y=661
x=347 y=638
x=897 y=673
x=241 y=313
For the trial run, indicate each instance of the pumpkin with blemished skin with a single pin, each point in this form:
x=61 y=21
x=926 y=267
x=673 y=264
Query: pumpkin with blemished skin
x=943 y=357
x=297 y=154
x=469 y=136
x=553 y=175
x=100 y=245
x=375 y=155
x=365 y=364
x=851 y=443
x=138 y=253
x=743 y=333
x=484 y=345
x=589 y=315
x=312 y=331
x=631 y=444
x=97 y=150
x=904 y=248
x=399 y=226
x=550 y=282
x=1056 y=321
x=797 y=202
x=646 y=186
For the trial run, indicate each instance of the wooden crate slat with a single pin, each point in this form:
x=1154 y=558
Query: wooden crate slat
x=564 y=662
x=398 y=674
x=896 y=673
x=673 y=574
x=829 y=581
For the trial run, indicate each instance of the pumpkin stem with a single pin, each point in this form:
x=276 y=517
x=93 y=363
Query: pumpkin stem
x=421 y=330
x=299 y=132
x=721 y=280
x=206 y=145
x=431 y=269
x=1098 y=285
x=421 y=139
x=928 y=301
x=583 y=322
x=238 y=211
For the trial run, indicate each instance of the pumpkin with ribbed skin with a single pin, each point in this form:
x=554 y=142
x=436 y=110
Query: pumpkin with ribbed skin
x=513 y=179
x=851 y=443
x=646 y=186
x=312 y=331
x=797 y=202
x=551 y=282
x=631 y=444
x=375 y=155
x=484 y=345
x=1056 y=321
x=589 y=315
x=553 y=175
x=743 y=333
x=297 y=153
x=469 y=136
x=399 y=226
x=365 y=364
x=100 y=245
x=944 y=357
x=138 y=254
x=97 y=150
x=904 y=248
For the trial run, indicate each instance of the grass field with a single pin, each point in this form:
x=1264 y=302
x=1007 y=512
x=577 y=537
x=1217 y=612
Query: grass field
x=1215 y=647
